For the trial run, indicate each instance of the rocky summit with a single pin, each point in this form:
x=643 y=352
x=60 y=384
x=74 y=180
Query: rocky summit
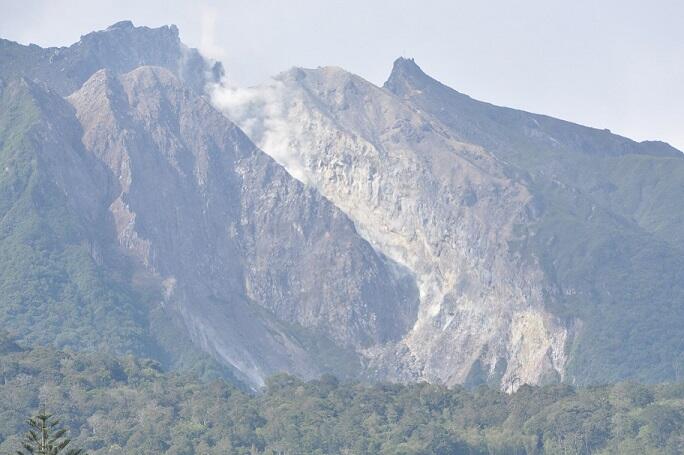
x=321 y=224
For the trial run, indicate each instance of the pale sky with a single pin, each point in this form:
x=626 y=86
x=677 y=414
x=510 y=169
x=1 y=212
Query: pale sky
x=604 y=63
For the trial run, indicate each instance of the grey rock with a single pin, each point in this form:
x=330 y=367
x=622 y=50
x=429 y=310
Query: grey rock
x=444 y=209
x=120 y=48
x=530 y=237
x=242 y=249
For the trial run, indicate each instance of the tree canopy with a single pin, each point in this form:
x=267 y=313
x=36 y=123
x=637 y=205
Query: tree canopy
x=127 y=405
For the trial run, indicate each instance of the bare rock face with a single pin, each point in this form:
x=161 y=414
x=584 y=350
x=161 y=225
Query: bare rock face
x=120 y=48
x=259 y=270
x=539 y=246
x=244 y=252
x=445 y=210
x=607 y=230
x=399 y=233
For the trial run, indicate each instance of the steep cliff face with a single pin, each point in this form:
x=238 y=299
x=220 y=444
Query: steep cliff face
x=608 y=233
x=447 y=211
x=190 y=231
x=531 y=238
x=222 y=227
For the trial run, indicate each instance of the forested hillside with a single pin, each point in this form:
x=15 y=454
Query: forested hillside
x=130 y=406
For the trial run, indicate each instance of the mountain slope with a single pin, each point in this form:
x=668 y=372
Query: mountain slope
x=50 y=218
x=639 y=181
x=445 y=210
x=195 y=239
x=610 y=229
x=400 y=233
x=64 y=280
x=220 y=224
x=543 y=250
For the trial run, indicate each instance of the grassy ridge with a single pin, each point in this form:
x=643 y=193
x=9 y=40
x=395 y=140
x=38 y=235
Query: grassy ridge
x=60 y=285
x=51 y=288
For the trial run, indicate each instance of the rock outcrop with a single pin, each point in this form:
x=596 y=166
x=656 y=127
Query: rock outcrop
x=446 y=210
x=225 y=228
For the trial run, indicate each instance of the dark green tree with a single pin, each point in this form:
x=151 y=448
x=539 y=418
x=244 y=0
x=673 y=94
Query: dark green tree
x=46 y=437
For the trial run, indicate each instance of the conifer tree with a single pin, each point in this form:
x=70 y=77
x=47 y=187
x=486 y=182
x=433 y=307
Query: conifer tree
x=46 y=437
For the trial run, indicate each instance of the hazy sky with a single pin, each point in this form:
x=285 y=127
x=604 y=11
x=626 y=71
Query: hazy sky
x=605 y=63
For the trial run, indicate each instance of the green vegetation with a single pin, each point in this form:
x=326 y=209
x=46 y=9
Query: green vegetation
x=46 y=437
x=51 y=289
x=59 y=284
x=130 y=406
x=624 y=285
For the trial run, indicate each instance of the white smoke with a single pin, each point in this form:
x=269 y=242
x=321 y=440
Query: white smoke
x=262 y=113
x=208 y=44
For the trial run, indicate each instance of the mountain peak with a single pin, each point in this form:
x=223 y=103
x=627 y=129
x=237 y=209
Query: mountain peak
x=405 y=62
x=120 y=48
x=406 y=66
x=125 y=33
x=405 y=70
x=128 y=26
x=121 y=25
